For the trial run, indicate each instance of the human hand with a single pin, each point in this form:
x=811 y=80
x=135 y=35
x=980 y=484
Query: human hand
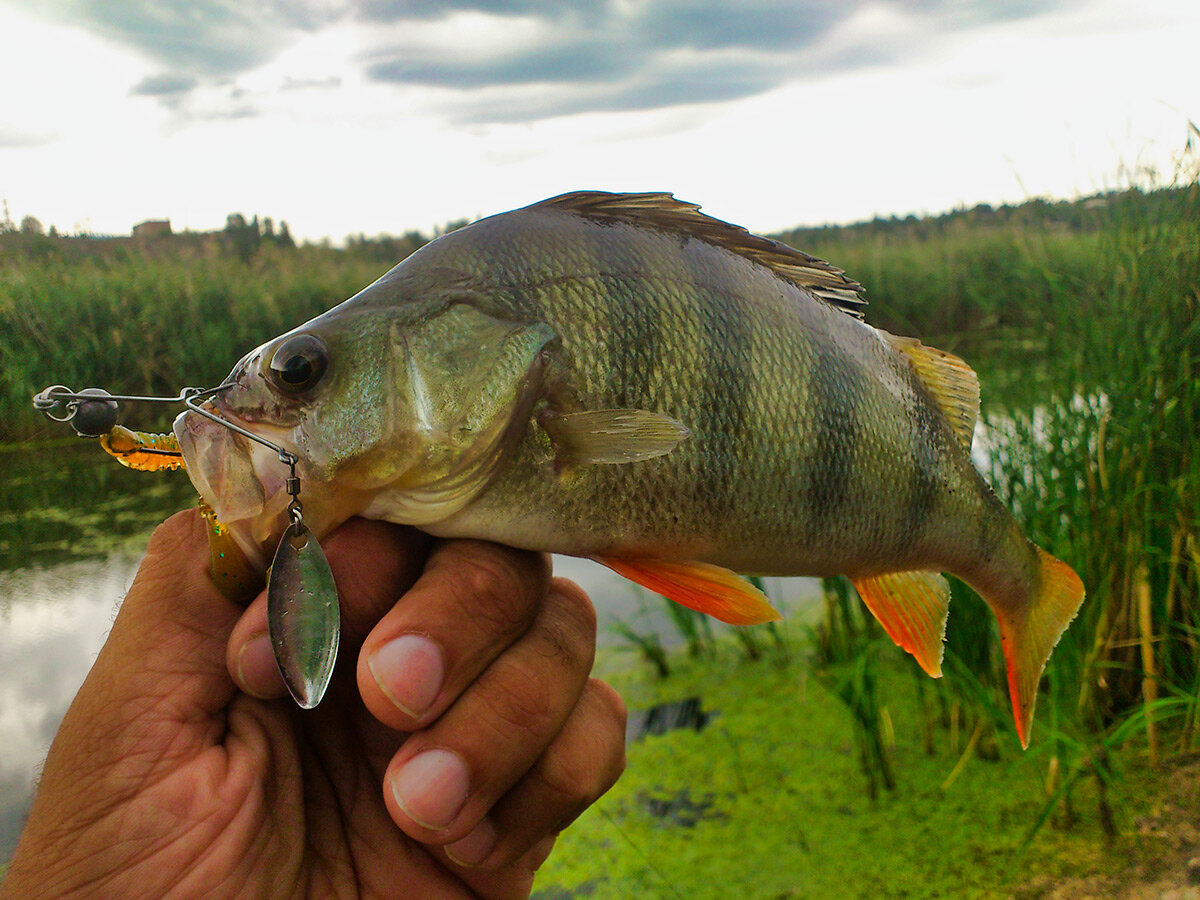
x=166 y=780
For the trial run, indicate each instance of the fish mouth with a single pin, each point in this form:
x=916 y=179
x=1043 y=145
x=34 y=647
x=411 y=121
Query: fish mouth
x=243 y=481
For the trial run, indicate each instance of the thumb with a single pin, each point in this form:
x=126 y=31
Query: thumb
x=160 y=680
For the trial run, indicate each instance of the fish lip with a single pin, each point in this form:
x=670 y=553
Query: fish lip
x=215 y=453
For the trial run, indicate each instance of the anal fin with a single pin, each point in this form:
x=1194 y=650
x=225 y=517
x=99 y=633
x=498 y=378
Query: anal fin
x=912 y=608
x=700 y=586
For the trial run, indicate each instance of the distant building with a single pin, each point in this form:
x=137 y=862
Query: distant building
x=152 y=228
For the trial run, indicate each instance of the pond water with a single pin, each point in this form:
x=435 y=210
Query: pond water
x=73 y=527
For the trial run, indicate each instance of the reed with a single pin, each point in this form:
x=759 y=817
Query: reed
x=150 y=323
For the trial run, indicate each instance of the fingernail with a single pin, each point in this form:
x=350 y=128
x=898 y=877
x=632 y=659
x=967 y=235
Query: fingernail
x=432 y=787
x=475 y=847
x=258 y=675
x=409 y=670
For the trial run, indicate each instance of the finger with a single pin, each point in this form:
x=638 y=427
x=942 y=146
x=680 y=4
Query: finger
x=250 y=657
x=445 y=779
x=472 y=601
x=373 y=564
x=584 y=760
x=161 y=673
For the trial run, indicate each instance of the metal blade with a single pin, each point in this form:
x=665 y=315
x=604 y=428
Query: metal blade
x=303 y=616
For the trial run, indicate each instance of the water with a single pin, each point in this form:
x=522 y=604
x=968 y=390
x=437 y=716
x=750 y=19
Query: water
x=73 y=527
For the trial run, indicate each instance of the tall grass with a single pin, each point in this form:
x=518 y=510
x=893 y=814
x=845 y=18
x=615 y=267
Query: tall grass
x=1086 y=332
x=151 y=323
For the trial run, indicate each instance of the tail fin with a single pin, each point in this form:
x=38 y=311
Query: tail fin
x=1030 y=632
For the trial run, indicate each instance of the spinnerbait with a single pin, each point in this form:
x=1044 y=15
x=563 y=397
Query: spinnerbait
x=303 y=615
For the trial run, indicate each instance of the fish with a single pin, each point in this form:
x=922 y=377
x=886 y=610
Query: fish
x=625 y=378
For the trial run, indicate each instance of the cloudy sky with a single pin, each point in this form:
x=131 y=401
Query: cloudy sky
x=348 y=116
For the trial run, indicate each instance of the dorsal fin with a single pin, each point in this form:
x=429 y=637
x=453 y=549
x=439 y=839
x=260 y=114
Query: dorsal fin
x=664 y=212
x=953 y=384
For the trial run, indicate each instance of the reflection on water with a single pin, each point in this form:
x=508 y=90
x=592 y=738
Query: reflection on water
x=52 y=623
x=73 y=526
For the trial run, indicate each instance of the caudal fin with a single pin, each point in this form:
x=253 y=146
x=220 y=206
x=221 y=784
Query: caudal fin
x=1030 y=631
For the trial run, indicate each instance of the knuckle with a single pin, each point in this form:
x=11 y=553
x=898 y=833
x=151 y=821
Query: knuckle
x=521 y=707
x=490 y=586
x=611 y=704
x=614 y=716
x=575 y=602
x=570 y=778
x=581 y=770
x=568 y=635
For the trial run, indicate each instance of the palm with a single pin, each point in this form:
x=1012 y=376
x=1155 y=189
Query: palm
x=298 y=781
x=166 y=780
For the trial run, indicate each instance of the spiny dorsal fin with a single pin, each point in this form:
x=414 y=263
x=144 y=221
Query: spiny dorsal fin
x=951 y=381
x=663 y=211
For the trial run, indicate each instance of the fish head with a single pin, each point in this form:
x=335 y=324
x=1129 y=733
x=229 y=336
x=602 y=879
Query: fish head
x=399 y=412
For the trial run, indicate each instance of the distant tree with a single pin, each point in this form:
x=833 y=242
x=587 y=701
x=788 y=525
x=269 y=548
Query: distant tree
x=31 y=225
x=243 y=236
x=284 y=238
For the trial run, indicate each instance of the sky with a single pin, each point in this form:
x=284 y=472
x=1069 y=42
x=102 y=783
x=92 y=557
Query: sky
x=379 y=116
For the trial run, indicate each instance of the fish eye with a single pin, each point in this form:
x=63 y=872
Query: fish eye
x=298 y=363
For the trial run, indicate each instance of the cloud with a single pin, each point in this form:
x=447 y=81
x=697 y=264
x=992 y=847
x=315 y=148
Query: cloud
x=619 y=56
x=570 y=62
x=197 y=42
x=12 y=137
x=164 y=85
x=535 y=59
x=401 y=10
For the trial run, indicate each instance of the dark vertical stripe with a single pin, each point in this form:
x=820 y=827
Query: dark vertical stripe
x=633 y=305
x=835 y=394
x=726 y=389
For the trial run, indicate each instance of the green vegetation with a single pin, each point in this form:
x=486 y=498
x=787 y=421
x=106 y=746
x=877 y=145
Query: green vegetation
x=151 y=316
x=831 y=770
x=768 y=801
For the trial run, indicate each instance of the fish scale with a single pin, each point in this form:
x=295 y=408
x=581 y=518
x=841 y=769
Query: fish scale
x=624 y=378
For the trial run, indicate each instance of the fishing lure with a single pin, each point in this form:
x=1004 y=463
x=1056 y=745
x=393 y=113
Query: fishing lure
x=303 y=615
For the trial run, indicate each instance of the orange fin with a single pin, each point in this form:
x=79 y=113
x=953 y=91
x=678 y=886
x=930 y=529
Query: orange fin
x=705 y=588
x=912 y=608
x=1029 y=633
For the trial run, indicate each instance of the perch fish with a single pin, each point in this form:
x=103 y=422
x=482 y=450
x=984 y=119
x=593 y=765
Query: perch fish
x=621 y=377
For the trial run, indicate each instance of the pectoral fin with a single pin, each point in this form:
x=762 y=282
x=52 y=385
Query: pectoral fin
x=705 y=588
x=912 y=608
x=613 y=436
